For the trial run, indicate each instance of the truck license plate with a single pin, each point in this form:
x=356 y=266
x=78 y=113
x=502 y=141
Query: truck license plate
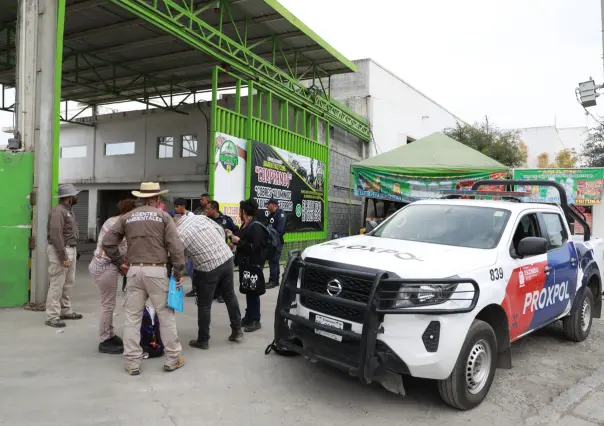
x=331 y=323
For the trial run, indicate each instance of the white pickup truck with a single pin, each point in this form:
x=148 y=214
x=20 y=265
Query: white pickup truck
x=440 y=290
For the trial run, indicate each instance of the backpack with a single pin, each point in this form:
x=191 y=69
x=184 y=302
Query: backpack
x=271 y=242
x=150 y=336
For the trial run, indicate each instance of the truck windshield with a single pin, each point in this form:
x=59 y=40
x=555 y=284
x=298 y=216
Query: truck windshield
x=462 y=226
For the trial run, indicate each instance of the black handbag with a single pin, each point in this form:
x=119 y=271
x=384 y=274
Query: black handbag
x=251 y=279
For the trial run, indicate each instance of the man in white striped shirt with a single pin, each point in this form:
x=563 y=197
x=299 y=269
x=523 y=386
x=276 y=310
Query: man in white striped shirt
x=205 y=244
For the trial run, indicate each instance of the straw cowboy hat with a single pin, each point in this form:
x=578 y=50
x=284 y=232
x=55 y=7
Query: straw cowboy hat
x=149 y=190
x=67 y=190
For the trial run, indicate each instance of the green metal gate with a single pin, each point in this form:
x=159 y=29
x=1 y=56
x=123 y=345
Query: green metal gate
x=299 y=135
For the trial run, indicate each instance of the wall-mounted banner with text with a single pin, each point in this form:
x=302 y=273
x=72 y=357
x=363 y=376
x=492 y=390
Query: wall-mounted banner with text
x=583 y=186
x=229 y=174
x=294 y=180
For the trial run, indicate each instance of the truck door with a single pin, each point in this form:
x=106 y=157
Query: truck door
x=527 y=278
x=562 y=270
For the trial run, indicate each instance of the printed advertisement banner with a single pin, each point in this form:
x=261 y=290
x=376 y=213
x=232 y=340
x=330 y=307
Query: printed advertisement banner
x=373 y=184
x=583 y=186
x=229 y=175
x=294 y=180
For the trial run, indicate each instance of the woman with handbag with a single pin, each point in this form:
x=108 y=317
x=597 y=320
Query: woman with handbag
x=250 y=241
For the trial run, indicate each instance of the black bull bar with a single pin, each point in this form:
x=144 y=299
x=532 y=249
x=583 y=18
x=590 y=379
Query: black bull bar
x=360 y=355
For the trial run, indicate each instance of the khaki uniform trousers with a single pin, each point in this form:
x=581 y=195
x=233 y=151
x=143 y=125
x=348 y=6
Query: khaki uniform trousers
x=148 y=282
x=58 y=301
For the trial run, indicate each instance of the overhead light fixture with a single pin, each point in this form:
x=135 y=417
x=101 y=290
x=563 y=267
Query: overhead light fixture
x=587 y=93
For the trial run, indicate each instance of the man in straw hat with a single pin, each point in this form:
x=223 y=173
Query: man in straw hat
x=150 y=234
x=62 y=254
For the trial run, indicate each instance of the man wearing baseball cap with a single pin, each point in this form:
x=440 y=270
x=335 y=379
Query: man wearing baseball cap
x=277 y=220
x=61 y=250
x=150 y=234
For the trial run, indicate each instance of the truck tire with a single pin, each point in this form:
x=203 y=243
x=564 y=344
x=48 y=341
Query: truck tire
x=577 y=325
x=474 y=371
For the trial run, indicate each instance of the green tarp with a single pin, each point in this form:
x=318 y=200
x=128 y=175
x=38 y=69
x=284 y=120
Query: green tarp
x=422 y=168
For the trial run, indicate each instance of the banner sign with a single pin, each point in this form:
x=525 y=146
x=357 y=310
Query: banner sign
x=583 y=186
x=373 y=184
x=229 y=175
x=294 y=180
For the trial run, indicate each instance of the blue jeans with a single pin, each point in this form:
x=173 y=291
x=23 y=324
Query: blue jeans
x=252 y=313
x=275 y=266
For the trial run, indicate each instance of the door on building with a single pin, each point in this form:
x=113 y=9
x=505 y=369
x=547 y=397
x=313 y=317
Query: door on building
x=80 y=210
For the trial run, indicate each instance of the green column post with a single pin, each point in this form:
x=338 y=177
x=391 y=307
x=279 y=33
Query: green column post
x=56 y=128
x=213 y=122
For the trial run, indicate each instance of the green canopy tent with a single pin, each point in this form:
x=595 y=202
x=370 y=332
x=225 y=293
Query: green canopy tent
x=422 y=168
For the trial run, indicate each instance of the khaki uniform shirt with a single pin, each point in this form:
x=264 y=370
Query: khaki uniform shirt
x=150 y=234
x=62 y=230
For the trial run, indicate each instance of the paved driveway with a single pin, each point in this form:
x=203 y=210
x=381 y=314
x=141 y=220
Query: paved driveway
x=51 y=378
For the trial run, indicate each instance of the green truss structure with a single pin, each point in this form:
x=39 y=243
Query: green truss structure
x=183 y=19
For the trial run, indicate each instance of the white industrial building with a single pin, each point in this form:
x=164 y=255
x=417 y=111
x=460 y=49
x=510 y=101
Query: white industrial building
x=398 y=112
x=552 y=140
x=109 y=155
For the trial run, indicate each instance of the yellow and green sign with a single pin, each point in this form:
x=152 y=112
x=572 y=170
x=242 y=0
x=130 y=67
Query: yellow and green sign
x=583 y=186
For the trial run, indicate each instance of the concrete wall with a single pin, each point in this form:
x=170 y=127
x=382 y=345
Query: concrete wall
x=395 y=109
x=183 y=177
x=551 y=140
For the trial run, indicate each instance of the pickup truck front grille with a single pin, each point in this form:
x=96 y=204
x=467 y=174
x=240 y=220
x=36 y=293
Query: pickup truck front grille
x=353 y=288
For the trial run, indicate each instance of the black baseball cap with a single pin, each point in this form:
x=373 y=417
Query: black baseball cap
x=273 y=201
x=180 y=202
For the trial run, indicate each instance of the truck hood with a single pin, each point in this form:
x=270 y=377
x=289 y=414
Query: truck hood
x=407 y=259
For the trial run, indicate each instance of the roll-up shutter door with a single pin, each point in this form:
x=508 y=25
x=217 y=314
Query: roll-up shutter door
x=81 y=213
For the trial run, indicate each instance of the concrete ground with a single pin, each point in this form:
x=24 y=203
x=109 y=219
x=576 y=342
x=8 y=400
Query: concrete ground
x=53 y=378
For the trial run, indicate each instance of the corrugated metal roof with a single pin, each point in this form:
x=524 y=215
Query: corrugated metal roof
x=118 y=47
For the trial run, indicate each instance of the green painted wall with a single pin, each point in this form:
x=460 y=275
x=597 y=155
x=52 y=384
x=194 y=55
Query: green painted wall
x=16 y=183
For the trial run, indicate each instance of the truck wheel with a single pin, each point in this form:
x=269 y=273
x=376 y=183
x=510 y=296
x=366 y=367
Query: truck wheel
x=577 y=325
x=473 y=374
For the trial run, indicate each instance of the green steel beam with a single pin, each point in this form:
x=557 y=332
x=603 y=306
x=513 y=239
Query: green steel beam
x=182 y=20
x=56 y=128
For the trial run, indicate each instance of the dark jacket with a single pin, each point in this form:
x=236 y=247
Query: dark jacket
x=250 y=248
x=278 y=220
x=226 y=222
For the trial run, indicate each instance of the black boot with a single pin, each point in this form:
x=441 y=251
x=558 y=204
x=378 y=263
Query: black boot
x=253 y=326
x=110 y=346
x=236 y=335
x=271 y=284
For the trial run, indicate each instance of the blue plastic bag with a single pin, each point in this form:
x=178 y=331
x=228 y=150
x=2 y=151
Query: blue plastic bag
x=175 y=296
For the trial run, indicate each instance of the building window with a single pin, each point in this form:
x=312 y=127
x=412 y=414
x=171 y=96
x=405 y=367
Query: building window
x=119 y=148
x=73 y=151
x=165 y=147
x=189 y=146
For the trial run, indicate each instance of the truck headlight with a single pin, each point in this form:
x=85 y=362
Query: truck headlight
x=411 y=295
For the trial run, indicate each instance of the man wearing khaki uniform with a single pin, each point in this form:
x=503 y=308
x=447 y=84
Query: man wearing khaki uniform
x=150 y=234
x=62 y=254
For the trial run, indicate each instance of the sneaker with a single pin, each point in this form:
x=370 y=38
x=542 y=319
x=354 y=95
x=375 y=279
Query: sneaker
x=176 y=365
x=245 y=322
x=236 y=335
x=56 y=323
x=72 y=316
x=133 y=371
x=253 y=326
x=192 y=293
x=111 y=347
x=271 y=284
x=199 y=344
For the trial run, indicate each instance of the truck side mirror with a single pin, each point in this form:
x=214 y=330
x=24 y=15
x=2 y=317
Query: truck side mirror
x=532 y=246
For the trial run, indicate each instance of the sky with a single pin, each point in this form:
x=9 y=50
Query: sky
x=517 y=61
